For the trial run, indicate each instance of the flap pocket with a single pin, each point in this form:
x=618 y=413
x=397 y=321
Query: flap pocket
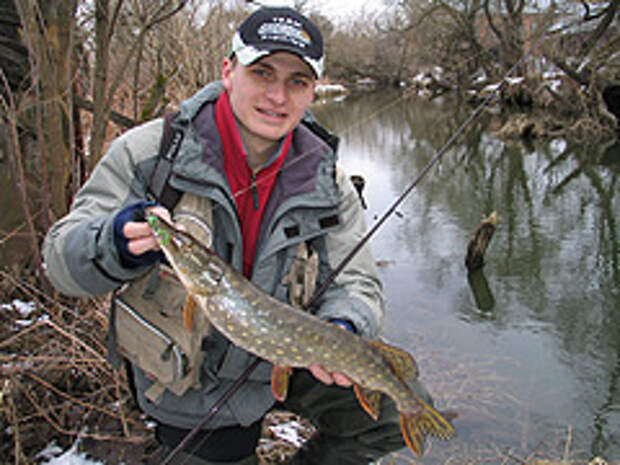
x=155 y=333
x=148 y=346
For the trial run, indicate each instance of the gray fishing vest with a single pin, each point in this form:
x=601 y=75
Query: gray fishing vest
x=157 y=326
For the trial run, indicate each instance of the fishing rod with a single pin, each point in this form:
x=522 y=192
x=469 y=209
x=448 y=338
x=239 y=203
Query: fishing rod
x=347 y=259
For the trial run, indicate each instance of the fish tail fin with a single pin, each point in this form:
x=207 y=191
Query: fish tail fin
x=421 y=422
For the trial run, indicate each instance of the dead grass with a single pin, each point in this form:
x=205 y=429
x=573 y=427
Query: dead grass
x=55 y=381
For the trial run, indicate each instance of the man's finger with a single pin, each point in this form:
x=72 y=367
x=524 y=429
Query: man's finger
x=160 y=211
x=136 y=230
x=142 y=245
x=321 y=374
x=342 y=380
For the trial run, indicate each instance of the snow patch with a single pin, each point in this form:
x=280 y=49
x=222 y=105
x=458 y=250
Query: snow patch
x=53 y=455
x=24 y=308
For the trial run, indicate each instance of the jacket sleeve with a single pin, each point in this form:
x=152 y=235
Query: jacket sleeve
x=79 y=251
x=356 y=294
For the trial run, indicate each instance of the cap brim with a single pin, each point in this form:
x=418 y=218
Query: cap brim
x=248 y=54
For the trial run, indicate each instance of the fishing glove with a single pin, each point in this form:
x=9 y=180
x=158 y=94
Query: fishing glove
x=133 y=212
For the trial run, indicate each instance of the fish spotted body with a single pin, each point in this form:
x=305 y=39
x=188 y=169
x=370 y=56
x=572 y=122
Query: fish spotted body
x=291 y=338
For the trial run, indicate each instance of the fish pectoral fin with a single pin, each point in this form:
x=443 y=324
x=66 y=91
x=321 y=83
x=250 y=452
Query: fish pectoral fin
x=188 y=313
x=369 y=400
x=424 y=420
x=279 y=381
x=199 y=320
x=401 y=361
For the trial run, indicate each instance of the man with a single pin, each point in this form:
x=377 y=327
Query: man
x=257 y=180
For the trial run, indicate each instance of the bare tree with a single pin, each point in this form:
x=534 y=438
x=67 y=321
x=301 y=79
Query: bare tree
x=142 y=16
x=586 y=50
x=505 y=20
x=47 y=30
x=185 y=54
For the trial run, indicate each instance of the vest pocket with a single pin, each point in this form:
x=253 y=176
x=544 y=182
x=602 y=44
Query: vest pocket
x=149 y=347
x=153 y=330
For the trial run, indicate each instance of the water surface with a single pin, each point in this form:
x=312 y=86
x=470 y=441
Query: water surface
x=528 y=351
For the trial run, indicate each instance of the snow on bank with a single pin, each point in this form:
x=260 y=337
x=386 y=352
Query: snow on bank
x=24 y=308
x=53 y=455
x=324 y=90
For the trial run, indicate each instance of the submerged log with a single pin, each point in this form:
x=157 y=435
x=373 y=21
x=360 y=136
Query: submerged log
x=479 y=243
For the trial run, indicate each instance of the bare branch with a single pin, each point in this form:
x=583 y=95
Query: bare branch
x=115 y=15
x=115 y=116
x=492 y=26
x=11 y=115
x=608 y=15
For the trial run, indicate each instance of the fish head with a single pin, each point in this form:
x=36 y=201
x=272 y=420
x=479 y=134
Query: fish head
x=193 y=262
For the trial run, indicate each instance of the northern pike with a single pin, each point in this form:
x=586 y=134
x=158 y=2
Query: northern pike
x=289 y=337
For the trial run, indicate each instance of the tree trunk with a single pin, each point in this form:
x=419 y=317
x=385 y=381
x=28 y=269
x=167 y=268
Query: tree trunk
x=47 y=29
x=100 y=81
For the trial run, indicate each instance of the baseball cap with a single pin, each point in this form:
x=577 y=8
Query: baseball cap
x=275 y=29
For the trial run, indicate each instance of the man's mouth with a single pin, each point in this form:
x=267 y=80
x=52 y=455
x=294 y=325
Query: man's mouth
x=272 y=114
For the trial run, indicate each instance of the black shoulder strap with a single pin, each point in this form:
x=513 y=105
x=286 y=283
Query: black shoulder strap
x=331 y=139
x=159 y=187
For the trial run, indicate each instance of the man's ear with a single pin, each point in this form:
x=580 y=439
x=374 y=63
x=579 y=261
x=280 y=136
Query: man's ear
x=227 y=69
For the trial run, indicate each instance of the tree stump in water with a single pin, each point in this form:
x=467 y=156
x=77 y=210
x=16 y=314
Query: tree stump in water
x=359 y=182
x=479 y=243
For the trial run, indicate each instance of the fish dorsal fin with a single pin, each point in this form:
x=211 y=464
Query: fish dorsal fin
x=369 y=400
x=401 y=361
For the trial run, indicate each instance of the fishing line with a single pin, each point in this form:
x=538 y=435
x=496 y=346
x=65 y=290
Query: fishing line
x=332 y=276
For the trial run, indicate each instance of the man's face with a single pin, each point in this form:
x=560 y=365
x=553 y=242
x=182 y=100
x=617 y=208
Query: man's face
x=268 y=97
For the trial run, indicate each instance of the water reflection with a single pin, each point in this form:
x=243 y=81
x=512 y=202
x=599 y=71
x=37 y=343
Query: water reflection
x=545 y=358
x=485 y=301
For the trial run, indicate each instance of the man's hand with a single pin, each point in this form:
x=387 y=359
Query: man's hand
x=319 y=371
x=328 y=378
x=133 y=238
x=139 y=235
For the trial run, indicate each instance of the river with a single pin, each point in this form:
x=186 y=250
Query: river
x=529 y=353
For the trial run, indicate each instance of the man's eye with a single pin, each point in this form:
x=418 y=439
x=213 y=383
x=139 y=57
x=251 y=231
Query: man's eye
x=260 y=72
x=300 y=83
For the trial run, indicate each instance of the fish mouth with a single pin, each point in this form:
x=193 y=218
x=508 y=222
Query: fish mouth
x=167 y=234
x=160 y=230
x=173 y=238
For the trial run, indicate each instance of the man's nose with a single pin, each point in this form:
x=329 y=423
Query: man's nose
x=276 y=91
